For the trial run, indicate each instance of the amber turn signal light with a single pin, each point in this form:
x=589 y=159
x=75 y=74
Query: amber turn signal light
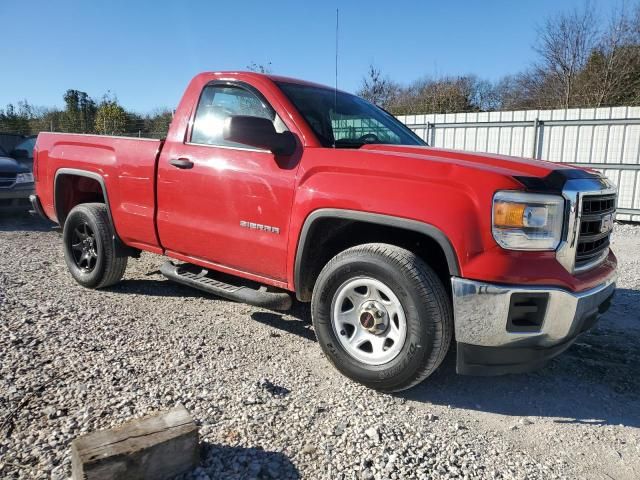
x=507 y=214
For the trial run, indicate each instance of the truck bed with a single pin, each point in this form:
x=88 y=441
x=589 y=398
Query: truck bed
x=127 y=167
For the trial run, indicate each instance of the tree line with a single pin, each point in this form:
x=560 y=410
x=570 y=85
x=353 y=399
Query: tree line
x=581 y=62
x=83 y=114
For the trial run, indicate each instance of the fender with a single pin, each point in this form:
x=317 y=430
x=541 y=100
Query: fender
x=380 y=219
x=119 y=246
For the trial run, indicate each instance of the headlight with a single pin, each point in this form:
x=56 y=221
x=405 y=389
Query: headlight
x=527 y=221
x=24 y=178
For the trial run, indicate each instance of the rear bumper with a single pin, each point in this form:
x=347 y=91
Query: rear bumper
x=510 y=329
x=16 y=197
x=36 y=207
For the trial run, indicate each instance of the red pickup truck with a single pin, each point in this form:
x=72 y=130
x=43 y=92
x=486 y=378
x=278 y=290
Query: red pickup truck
x=267 y=187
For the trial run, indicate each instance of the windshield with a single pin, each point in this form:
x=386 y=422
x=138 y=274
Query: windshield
x=3 y=152
x=342 y=120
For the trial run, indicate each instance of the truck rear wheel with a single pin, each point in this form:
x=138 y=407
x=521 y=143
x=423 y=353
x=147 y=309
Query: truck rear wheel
x=88 y=247
x=382 y=316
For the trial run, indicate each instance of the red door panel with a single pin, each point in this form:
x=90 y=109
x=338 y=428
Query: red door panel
x=232 y=207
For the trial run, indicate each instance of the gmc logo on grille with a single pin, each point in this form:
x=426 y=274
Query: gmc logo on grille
x=607 y=223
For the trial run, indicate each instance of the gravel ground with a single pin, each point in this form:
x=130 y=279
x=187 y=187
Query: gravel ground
x=269 y=404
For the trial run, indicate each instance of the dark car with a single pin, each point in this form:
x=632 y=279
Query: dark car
x=9 y=141
x=23 y=151
x=16 y=179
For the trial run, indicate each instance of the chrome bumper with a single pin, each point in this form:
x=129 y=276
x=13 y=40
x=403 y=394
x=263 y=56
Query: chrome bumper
x=481 y=312
x=36 y=207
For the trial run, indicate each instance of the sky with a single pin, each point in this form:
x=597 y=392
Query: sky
x=145 y=52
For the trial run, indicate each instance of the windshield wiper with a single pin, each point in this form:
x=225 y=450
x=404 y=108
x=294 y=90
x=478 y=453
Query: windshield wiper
x=347 y=144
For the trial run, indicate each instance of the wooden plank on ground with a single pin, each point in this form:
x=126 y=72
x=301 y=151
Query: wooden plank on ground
x=151 y=448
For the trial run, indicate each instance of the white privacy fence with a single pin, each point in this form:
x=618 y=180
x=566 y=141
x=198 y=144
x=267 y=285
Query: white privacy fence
x=606 y=139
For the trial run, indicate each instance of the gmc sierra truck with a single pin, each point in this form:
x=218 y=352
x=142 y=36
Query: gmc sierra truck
x=268 y=187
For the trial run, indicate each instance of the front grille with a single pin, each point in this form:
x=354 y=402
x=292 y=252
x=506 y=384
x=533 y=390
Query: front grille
x=598 y=205
x=7 y=179
x=596 y=218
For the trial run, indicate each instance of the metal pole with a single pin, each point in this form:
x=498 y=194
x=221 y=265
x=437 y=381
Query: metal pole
x=541 y=124
x=534 y=153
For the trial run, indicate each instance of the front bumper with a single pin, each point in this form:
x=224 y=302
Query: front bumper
x=16 y=197
x=510 y=329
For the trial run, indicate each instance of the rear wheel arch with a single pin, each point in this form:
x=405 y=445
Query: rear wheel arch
x=308 y=263
x=95 y=192
x=63 y=178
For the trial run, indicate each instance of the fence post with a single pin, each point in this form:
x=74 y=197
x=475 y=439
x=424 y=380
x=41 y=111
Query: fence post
x=431 y=132
x=540 y=138
x=534 y=151
x=538 y=132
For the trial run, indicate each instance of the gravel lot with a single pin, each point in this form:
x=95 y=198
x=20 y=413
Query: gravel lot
x=270 y=406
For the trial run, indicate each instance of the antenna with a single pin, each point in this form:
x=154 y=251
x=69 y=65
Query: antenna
x=335 y=91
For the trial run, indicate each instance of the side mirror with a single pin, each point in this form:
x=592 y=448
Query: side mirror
x=258 y=132
x=20 y=154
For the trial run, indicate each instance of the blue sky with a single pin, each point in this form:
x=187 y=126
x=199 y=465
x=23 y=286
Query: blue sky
x=146 y=51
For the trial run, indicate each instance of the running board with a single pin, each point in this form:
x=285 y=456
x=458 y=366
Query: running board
x=202 y=279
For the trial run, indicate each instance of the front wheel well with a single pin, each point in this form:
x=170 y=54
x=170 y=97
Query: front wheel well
x=328 y=236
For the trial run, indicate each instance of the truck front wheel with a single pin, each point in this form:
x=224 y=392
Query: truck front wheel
x=382 y=316
x=88 y=247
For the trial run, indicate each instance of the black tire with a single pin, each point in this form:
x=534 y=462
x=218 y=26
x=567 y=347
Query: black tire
x=427 y=309
x=102 y=267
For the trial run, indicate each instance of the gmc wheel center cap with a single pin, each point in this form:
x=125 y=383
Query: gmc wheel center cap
x=374 y=317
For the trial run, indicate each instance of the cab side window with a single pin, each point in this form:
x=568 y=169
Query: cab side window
x=219 y=102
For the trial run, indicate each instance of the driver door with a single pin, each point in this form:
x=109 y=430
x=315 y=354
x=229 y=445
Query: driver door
x=221 y=202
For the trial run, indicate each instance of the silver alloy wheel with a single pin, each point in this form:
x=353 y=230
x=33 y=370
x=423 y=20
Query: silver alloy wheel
x=368 y=320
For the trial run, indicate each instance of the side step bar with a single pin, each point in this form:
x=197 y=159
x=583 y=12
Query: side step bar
x=202 y=279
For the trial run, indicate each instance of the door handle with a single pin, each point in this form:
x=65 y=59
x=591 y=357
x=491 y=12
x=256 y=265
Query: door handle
x=183 y=163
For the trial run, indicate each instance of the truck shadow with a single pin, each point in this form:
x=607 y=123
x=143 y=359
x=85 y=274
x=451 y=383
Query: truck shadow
x=296 y=321
x=24 y=222
x=222 y=461
x=596 y=381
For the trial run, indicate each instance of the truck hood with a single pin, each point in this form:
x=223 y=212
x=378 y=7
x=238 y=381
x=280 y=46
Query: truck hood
x=501 y=164
x=10 y=165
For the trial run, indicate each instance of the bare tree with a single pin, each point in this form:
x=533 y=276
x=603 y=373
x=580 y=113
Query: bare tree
x=526 y=90
x=378 y=89
x=445 y=95
x=481 y=94
x=612 y=73
x=565 y=43
x=259 y=67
